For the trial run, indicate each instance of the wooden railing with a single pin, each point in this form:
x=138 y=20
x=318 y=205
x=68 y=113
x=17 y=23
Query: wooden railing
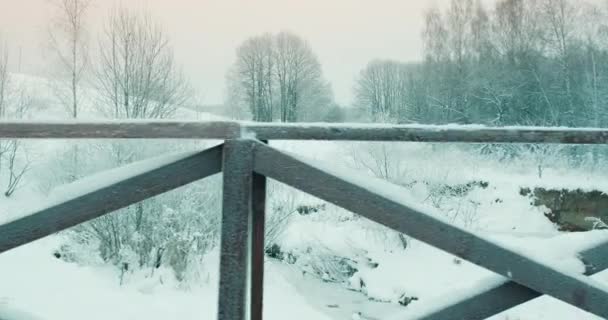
x=246 y=161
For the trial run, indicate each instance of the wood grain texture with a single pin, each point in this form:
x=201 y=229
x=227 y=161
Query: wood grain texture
x=502 y=297
x=412 y=133
x=258 y=246
x=138 y=129
x=237 y=170
x=337 y=189
x=224 y=130
x=107 y=198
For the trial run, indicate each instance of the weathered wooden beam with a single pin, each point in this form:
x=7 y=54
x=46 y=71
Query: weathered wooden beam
x=491 y=302
x=258 y=245
x=235 y=270
x=132 y=129
x=110 y=196
x=382 y=203
x=506 y=295
x=223 y=130
x=424 y=133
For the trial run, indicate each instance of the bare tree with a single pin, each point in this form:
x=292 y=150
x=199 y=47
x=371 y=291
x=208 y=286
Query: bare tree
x=316 y=102
x=297 y=70
x=459 y=18
x=278 y=70
x=69 y=42
x=255 y=67
x=16 y=158
x=561 y=15
x=68 y=39
x=434 y=36
x=4 y=78
x=13 y=105
x=4 y=83
x=381 y=90
x=235 y=99
x=516 y=28
x=137 y=76
x=481 y=43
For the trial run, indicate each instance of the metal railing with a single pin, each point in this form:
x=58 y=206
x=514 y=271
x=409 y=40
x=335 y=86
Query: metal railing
x=246 y=161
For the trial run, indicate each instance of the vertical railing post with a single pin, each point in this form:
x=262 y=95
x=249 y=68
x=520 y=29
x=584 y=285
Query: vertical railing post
x=258 y=245
x=237 y=168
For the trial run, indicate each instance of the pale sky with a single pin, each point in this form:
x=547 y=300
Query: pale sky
x=345 y=34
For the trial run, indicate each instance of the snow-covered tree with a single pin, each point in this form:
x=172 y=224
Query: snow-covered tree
x=278 y=77
x=137 y=76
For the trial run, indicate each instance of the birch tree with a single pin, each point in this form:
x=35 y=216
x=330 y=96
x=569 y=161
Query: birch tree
x=381 y=90
x=560 y=16
x=297 y=70
x=69 y=41
x=14 y=103
x=255 y=67
x=137 y=76
x=4 y=90
x=4 y=78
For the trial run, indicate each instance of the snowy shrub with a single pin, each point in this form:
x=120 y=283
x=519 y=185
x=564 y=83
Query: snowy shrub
x=385 y=160
x=326 y=264
x=79 y=248
x=170 y=230
x=164 y=231
x=16 y=101
x=453 y=202
x=283 y=204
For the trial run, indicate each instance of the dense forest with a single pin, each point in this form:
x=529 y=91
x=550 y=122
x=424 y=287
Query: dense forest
x=533 y=62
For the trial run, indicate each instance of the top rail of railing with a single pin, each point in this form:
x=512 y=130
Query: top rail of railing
x=225 y=130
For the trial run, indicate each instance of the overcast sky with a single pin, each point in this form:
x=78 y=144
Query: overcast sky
x=345 y=34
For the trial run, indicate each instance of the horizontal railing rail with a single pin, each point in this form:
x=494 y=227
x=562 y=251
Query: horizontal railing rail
x=225 y=130
x=246 y=161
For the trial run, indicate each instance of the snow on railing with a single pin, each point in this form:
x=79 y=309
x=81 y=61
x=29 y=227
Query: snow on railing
x=224 y=130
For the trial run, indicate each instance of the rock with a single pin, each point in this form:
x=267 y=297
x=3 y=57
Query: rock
x=309 y=209
x=405 y=300
x=461 y=190
x=571 y=210
x=274 y=251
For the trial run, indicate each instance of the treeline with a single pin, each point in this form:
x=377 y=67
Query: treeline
x=519 y=62
x=522 y=62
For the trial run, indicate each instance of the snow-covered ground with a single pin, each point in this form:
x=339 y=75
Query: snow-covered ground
x=476 y=192
x=34 y=280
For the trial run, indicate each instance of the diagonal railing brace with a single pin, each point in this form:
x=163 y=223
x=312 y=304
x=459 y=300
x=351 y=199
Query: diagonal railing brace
x=504 y=295
x=108 y=197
